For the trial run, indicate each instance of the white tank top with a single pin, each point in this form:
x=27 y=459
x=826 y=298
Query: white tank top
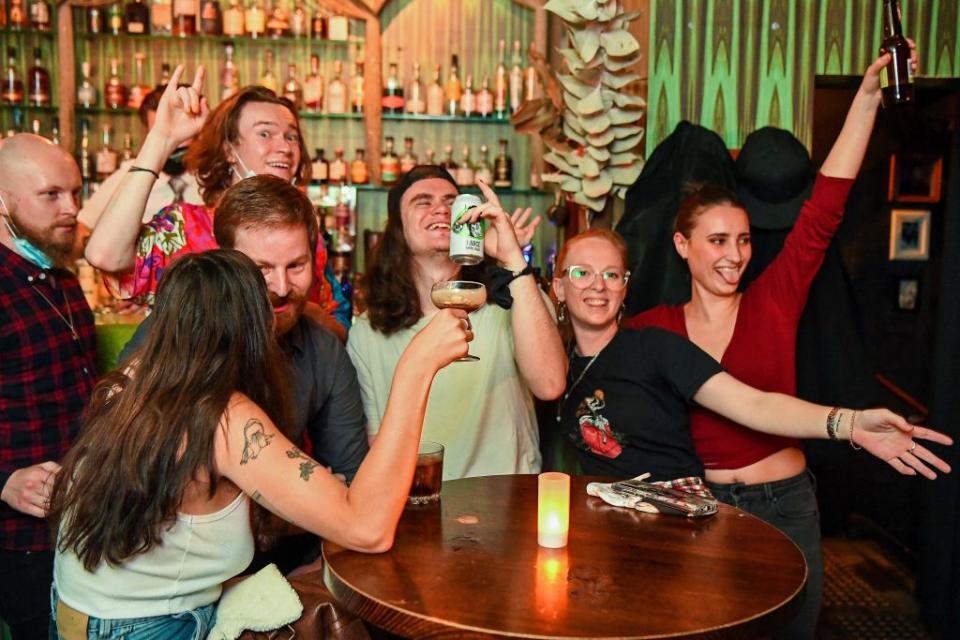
x=184 y=572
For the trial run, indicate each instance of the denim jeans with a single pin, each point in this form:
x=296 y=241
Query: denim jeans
x=791 y=506
x=187 y=625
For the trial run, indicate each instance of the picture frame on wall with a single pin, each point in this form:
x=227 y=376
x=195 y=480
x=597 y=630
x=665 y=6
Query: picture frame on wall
x=908 y=294
x=915 y=178
x=909 y=234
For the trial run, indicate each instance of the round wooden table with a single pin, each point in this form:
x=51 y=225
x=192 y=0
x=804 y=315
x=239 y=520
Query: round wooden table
x=471 y=567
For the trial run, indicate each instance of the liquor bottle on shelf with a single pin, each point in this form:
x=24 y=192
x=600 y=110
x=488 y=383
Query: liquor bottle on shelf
x=17 y=16
x=184 y=18
x=357 y=88
x=338 y=28
x=337 y=91
x=278 y=22
x=292 y=90
x=466 y=174
x=128 y=153
x=338 y=167
x=107 y=158
x=3 y=15
x=485 y=99
x=313 y=86
x=12 y=86
x=267 y=78
x=429 y=157
x=503 y=168
x=138 y=89
x=86 y=93
x=359 y=172
x=164 y=74
x=255 y=19
x=300 y=21
x=415 y=98
x=114 y=93
x=138 y=18
x=409 y=159
x=516 y=79
x=40 y=15
x=38 y=81
x=229 y=75
x=319 y=169
x=435 y=95
x=500 y=85
x=161 y=17
x=318 y=26
x=448 y=162
x=35 y=126
x=896 y=79
x=233 y=19
x=454 y=89
x=468 y=101
x=85 y=160
x=96 y=20
x=531 y=83
x=483 y=173
x=55 y=131
x=115 y=18
x=389 y=163
x=392 y=101
x=211 y=18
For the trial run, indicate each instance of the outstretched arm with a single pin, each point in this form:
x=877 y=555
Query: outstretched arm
x=180 y=115
x=848 y=151
x=883 y=433
x=254 y=455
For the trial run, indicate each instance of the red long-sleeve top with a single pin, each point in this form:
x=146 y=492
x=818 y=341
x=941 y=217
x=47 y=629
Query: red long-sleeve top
x=762 y=350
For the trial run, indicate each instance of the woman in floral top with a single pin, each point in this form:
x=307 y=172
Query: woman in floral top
x=253 y=132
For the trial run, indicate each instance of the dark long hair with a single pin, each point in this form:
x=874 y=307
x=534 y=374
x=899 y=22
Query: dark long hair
x=206 y=157
x=150 y=427
x=696 y=199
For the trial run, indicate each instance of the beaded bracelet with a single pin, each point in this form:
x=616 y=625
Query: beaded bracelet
x=853 y=423
x=832 y=423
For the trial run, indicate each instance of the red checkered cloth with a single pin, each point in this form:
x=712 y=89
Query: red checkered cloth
x=691 y=484
x=46 y=377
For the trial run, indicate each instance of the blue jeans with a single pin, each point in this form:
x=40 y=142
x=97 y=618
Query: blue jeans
x=187 y=625
x=791 y=506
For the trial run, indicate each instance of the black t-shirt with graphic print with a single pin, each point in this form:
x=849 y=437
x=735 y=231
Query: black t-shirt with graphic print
x=627 y=415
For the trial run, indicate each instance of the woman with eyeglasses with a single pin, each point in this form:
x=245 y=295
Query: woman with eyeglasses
x=629 y=391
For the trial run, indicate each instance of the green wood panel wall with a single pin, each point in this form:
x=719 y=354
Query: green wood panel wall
x=737 y=65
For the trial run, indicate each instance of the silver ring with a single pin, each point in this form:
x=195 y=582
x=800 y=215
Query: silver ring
x=912 y=447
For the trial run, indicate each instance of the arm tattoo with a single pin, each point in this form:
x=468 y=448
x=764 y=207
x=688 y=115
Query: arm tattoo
x=307 y=466
x=255 y=440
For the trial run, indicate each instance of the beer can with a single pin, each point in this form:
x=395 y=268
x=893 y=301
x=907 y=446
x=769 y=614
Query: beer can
x=466 y=239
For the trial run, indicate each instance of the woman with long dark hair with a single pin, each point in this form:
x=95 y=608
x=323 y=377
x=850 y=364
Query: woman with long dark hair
x=153 y=502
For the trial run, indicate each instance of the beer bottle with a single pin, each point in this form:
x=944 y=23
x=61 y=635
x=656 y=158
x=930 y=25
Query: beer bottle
x=896 y=79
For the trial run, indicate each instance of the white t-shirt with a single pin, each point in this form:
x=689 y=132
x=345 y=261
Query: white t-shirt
x=482 y=412
x=160 y=195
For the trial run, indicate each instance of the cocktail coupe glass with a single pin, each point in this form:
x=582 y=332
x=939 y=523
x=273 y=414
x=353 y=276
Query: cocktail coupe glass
x=460 y=294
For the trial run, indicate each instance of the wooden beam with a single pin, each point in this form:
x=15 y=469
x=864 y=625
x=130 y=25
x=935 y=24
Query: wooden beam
x=372 y=86
x=67 y=68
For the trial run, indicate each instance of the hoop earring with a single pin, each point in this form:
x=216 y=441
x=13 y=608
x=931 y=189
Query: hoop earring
x=561 y=311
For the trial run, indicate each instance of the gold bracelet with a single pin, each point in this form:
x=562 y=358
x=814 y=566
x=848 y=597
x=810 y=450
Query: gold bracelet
x=853 y=423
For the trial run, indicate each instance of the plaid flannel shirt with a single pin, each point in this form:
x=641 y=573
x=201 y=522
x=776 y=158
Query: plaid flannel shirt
x=46 y=377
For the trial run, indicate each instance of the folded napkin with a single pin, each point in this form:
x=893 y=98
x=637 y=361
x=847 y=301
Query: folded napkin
x=262 y=602
x=680 y=497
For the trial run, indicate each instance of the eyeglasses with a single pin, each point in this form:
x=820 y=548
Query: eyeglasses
x=582 y=277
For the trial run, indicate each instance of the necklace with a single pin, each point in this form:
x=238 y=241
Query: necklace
x=66 y=303
x=573 y=386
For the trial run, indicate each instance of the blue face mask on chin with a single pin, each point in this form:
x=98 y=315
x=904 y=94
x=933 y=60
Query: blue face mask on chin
x=24 y=247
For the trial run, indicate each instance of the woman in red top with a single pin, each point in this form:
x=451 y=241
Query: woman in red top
x=753 y=334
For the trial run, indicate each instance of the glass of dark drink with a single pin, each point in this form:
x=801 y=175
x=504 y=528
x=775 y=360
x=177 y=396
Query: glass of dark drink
x=460 y=294
x=428 y=475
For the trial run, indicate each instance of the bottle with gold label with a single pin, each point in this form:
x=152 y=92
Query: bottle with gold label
x=211 y=18
x=17 y=17
x=139 y=89
x=255 y=19
x=416 y=102
x=409 y=159
x=389 y=163
x=138 y=18
x=233 y=19
x=359 y=172
x=267 y=78
x=229 y=75
x=38 y=79
x=319 y=169
x=357 y=93
x=292 y=90
x=161 y=17
x=454 y=89
x=115 y=93
x=313 y=86
x=338 y=167
x=435 y=95
x=337 y=90
x=115 y=18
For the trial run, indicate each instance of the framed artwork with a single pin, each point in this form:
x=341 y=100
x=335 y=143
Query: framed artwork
x=915 y=178
x=908 y=294
x=909 y=234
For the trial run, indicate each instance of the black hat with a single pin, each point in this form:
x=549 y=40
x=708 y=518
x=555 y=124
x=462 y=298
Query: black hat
x=418 y=173
x=774 y=177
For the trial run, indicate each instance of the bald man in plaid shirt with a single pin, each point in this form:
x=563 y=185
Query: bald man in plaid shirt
x=46 y=368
